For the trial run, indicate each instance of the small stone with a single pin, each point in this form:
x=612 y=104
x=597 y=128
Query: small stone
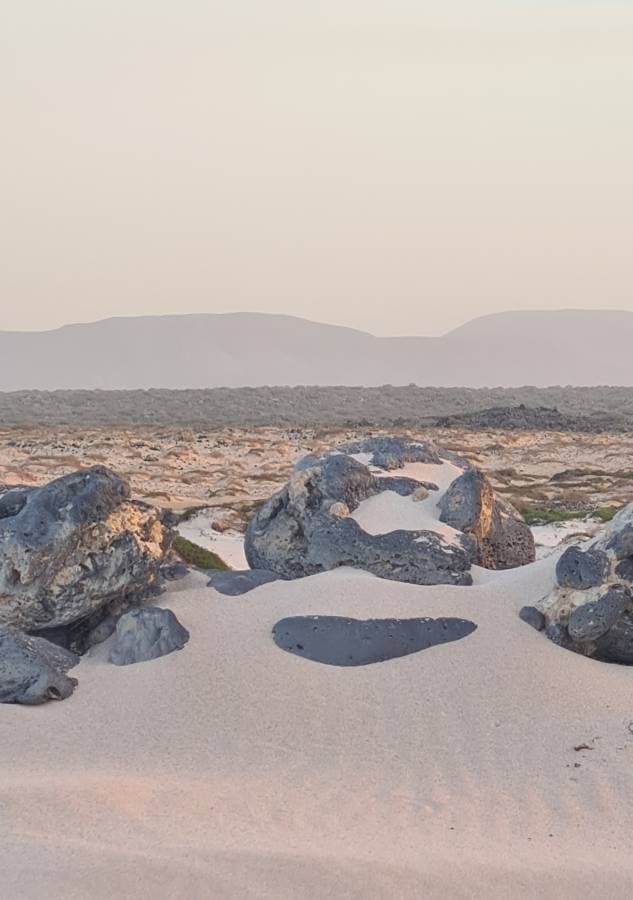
x=339 y=509
x=420 y=493
x=146 y=633
x=533 y=617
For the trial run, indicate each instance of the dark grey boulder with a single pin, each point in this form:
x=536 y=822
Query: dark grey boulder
x=147 y=633
x=294 y=546
x=73 y=546
x=305 y=528
x=240 y=581
x=32 y=670
x=592 y=620
x=338 y=641
x=471 y=506
x=582 y=569
x=533 y=616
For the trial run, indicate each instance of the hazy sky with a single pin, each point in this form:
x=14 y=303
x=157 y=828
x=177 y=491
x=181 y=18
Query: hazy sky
x=396 y=165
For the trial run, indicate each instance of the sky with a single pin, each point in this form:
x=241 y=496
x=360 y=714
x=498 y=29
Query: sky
x=399 y=166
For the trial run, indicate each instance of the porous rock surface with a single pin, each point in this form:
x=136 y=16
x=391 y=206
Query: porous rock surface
x=470 y=505
x=73 y=546
x=307 y=527
x=590 y=611
x=32 y=670
x=146 y=633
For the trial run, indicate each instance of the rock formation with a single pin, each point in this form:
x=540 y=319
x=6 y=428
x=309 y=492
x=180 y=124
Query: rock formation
x=309 y=527
x=590 y=610
x=72 y=547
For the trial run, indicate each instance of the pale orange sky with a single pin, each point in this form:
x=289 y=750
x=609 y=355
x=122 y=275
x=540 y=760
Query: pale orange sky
x=399 y=166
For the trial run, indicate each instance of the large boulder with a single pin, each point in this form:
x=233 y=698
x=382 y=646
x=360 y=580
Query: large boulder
x=590 y=610
x=147 y=633
x=32 y=670
x=471 y=506
x=309 y=525
x=72 y=547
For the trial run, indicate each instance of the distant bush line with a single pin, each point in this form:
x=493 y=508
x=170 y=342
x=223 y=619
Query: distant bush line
x=385 y=406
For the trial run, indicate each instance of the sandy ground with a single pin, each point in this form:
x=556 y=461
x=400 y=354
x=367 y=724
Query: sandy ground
x=229 y=545
x=234 y=770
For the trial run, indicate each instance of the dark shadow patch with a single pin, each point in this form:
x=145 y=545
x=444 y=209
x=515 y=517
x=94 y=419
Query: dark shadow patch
x=338 y=641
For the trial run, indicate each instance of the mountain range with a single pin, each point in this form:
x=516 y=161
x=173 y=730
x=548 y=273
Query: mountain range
x=566 y=347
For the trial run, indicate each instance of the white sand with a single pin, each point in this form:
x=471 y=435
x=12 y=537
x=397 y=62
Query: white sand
x=234 y=770
x=228 y=545
x=548 y=537
x=389 y=511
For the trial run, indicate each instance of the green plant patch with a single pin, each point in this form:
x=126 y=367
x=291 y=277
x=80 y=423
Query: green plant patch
x=194 y=555
x=539 y=515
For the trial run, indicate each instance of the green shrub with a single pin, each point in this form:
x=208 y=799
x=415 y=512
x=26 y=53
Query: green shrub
x=194 y=555
x=539 y=515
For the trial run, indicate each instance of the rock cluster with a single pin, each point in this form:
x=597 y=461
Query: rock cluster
x=74 y=555
x=308 y=526
x=590 y=610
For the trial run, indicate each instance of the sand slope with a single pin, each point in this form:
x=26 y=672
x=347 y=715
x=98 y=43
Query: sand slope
x=232 y=769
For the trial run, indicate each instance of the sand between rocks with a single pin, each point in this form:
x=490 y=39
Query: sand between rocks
x=232 y=769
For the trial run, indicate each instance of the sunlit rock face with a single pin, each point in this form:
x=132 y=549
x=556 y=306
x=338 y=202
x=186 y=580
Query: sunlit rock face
x=73 y=546
x=314 y=523
x=503 y=539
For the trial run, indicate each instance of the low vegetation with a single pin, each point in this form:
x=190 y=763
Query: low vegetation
x=611 y=408
x=197 y=556
x=538 y=515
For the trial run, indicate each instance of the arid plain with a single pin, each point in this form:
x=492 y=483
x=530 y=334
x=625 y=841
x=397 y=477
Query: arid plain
x=548 y=475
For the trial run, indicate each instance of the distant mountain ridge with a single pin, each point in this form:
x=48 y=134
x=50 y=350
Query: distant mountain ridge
x=566 y=347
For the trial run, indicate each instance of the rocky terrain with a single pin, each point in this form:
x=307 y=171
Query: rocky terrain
x=550 y=475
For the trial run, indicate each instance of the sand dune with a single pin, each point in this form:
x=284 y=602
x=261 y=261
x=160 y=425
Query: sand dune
x=233 y=769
